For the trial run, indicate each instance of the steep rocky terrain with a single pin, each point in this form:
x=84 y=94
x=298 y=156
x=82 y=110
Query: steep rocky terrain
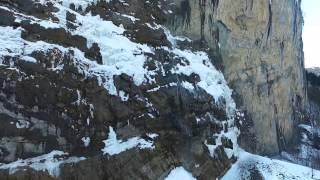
x=312 y=129
x=313 y=85
x=307 y=150
x=258 y=46
x=105 y=85
x=135 y=89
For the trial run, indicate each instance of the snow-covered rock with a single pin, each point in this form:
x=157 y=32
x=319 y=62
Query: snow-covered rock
x=114 y=146
x=107 y=79
x=250 y=166
x=179 y=173
x=50 y=163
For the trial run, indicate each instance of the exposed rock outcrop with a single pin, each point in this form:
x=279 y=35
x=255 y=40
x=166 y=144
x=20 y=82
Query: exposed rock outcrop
x=313 y=85
x=307 y=151
x=116 y=89
x=102 y=89
x=259 y=48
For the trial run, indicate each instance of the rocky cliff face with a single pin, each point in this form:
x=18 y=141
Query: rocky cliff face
x=129 y=89
x=310 y=141
x=313 y=85
x=258 y=46
x=103 y=91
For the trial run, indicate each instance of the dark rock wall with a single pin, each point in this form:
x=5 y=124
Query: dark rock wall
x=313 y=85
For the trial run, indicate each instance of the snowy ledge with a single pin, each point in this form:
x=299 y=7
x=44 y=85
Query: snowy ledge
x=48 y=163
x=114 y=146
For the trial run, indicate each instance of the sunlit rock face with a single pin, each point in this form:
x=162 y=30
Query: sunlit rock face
x=259 y=49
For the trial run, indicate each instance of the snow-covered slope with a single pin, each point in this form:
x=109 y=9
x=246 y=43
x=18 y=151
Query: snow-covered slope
x=179 y=173
x=250 y=166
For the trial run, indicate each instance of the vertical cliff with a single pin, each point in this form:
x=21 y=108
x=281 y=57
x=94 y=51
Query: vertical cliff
x=131 y=89
x=258 y=46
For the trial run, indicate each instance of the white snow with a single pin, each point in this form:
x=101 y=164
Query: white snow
x=173 y=39
x=179 y=173
x=154 y=27
x=232 y=134
x=132 y=18
x=121 y=55
x=268 y=169
x=83 y=3
x=152 y=135
x=12 y=44
x=114 y=146
x=28 y=58
x=86 y=141
x=123 y=96
x=22 y=124
x=48 y=162
x=307 y=154
x=10 y=41
x=187 y=85
x=78 y=101
x=212 y=81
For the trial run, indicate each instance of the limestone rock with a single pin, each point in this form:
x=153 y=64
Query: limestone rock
x=261 y=56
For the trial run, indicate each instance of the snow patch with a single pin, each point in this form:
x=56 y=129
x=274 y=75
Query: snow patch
x=86 y=141
x=152 y=135
x=10 y=42
x=268 y=169
x=48 y=162
x=123 y=96
x=232 y=134
x=179 y=173
x=212 y=81
x=132 y=18
x=114 y=146
x=22 y=124
x=187 y=85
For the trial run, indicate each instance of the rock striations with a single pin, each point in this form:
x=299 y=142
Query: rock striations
x=101 y=90
x=258 y=46
x=139 y=89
